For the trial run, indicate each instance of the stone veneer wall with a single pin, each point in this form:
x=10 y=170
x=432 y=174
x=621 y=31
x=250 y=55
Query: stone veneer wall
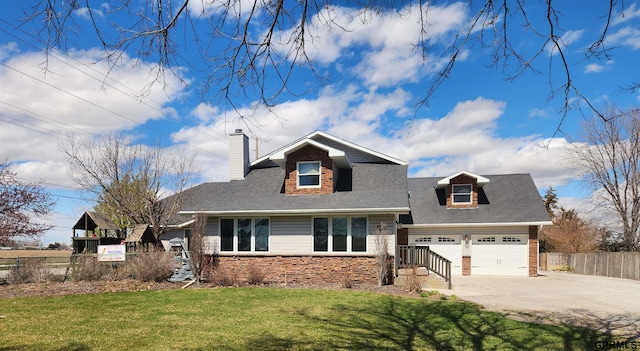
x=302 y=269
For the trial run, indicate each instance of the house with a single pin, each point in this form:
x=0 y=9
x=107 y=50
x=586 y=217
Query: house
x=315 y=209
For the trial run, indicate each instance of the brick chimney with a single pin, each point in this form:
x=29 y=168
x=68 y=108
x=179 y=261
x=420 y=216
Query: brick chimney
x=238 y=155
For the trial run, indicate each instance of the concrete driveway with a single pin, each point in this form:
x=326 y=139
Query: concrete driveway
x=603 y=303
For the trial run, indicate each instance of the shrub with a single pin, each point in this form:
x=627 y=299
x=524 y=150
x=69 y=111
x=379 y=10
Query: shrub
x=413 y=280
x=154 y=265
x=87 y=268
x=28 y=270
x=223 y=277
x=255 y=275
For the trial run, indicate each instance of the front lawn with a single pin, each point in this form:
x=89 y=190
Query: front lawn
x=268 y=319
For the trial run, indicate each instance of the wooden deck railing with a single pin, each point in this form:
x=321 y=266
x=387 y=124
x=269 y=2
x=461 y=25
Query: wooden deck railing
x=421 y=256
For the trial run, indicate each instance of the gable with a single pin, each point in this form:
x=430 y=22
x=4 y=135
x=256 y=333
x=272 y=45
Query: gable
x=342 y=152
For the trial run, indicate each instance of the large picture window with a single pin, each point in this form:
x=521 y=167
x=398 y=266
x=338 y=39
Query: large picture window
x=461 y=193
x=340 y=234
x=244 y=234
x=308 y=174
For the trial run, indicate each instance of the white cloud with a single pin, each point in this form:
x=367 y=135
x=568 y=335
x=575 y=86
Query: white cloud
x=84 y=13
x=593 y=68
x=597 y=68
x=568 y=38
x=209 y=8
x=382 y=46
x=7 y=50
x=538 y=113
x=627 y=14
x=39 y=106
x=627 y=36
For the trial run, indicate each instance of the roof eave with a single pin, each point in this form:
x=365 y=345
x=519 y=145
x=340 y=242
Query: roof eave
x=488 y=224
x=381 y=210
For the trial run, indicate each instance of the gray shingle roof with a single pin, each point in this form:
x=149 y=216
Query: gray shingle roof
x=374 y=186
x=507 y=198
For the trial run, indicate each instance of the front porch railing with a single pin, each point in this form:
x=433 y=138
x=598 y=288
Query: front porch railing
x=422 y=256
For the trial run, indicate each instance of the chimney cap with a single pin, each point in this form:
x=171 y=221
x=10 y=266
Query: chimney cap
x=238 y=130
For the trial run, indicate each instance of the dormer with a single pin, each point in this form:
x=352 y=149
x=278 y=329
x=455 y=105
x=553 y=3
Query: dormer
x=311 y=167
x=461 y=189
x=320 y=163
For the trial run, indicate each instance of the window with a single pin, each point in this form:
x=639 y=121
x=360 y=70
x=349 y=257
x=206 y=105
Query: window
x=320 y=234
x=244 y=234
x=340 y=234
x=308 y=174
x=226 y=234
x=462 y=194
x=487 y=239
x=359 y=234
x=446 y=240
x=339 y=231
x=423 y=240
x=262 y=234
x=509 y=239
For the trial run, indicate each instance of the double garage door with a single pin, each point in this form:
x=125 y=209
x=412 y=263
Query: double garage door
x=490 y=254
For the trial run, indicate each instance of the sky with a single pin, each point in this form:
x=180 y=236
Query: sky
x=477 y=120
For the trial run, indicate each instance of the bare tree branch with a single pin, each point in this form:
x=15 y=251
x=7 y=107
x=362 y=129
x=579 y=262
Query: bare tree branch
x=129 y=180
x=235 y=41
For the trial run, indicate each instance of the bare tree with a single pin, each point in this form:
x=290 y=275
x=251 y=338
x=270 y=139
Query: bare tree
x=197 y=245
x=23 y=206
x=382 y=254
x=610 y=162
x=570 y=234
x=257 y=46
x=129 y=181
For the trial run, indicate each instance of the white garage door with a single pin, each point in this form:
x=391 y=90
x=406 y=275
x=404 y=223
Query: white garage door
x=447 y=246
x=500 y=255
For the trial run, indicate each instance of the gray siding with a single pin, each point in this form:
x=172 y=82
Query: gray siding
x=388 y=222
x=291 y=235
x=353 y=155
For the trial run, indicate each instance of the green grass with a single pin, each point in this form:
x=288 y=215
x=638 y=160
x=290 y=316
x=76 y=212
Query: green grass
x=268 y=319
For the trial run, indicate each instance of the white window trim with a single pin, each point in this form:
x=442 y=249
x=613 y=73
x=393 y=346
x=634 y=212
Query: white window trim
x=236 y=241
x=298 y=175
x=453 y=193
x=349 y=237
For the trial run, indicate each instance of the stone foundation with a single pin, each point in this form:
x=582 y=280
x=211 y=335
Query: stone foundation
x=300 y=269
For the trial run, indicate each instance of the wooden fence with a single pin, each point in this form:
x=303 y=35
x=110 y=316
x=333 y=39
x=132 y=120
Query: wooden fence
x=624 y=265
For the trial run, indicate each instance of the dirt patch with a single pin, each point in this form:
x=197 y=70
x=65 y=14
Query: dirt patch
x=74 y=288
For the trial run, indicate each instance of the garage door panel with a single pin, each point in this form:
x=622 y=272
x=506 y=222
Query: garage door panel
x=447 y=246
x=499 y=255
